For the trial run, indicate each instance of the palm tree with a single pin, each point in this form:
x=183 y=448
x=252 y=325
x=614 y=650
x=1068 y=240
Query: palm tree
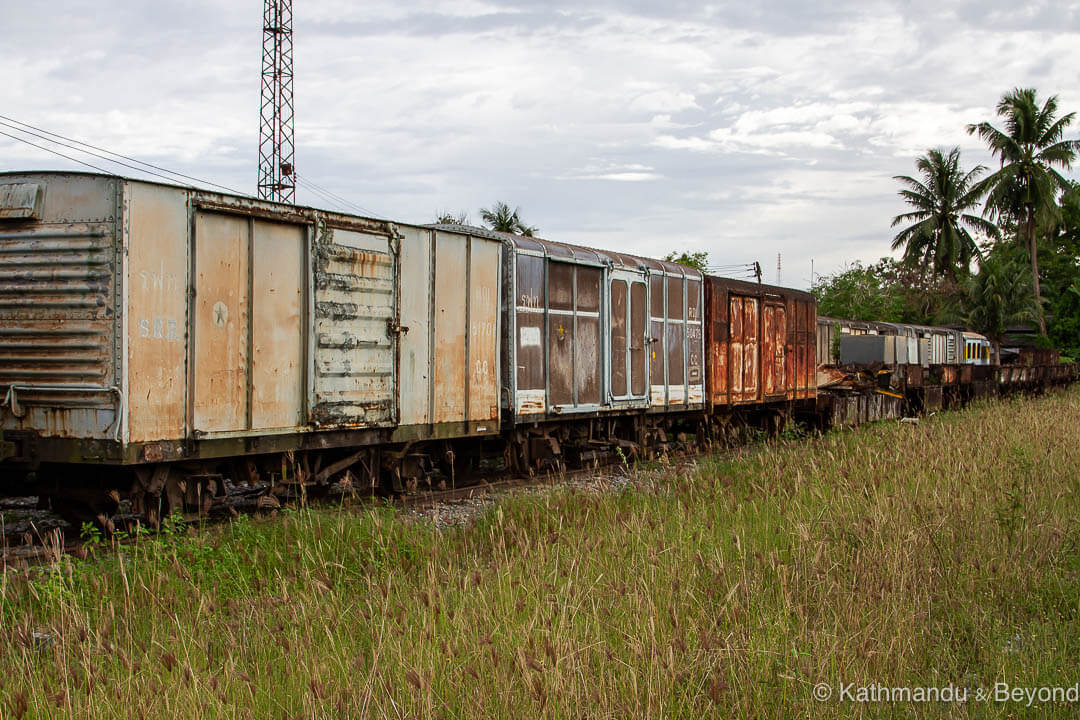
x=999 y=296
x=1031 y=150
x=449 y=218
x=502 y=219
x=940 y=236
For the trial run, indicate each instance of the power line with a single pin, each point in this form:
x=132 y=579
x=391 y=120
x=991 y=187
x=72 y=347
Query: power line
x=344 y=202
x=57 y=152
x=110 y=152
x=80 y=146
x=93 y=154
x=327 y=193
x=323 y=197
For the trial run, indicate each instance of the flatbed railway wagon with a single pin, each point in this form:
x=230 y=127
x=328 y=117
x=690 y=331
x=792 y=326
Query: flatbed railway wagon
x=156 y=339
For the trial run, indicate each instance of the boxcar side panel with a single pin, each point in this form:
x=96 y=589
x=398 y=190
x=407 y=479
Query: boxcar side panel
x=751 y=343
x=451 y=293
x=657 y=356
x=774 y=351
x=807 y=347
x=156 y=323
x=220 y=323
x=483 y=370
x=695 y=348
x=638 y=359
x=589 y=350
x=736 y=347
x=716 y=340
x=619 y=386
x=416 y=344
x=530 y=298
x=355 y=352
x=277 y=335
x=674 y=341
x=763 y=343
x=58 y=303
x=560 y=331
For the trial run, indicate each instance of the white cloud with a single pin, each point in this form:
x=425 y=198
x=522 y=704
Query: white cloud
x=664 y=101
x=744 y=130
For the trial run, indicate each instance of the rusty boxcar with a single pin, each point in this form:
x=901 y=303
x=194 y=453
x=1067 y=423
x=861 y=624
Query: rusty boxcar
x=762 y=343
x=152 y=325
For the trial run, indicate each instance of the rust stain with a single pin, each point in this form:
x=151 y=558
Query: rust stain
x=220 y=322
x=483 y=298
x=450 y=372
x=276 y=333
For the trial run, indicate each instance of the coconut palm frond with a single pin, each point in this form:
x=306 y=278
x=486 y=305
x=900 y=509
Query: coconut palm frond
x=941 y=199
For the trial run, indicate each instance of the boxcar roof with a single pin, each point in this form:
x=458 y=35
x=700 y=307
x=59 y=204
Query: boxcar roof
x=887 y=328
x=921 y=328
x=576 y=253
x=744 y=287
x=236 y=197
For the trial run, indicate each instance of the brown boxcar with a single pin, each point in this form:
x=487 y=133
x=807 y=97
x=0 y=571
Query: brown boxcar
x=761 y=341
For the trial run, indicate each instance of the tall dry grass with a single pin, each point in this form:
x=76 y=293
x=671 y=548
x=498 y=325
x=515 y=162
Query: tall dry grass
x=943 y=553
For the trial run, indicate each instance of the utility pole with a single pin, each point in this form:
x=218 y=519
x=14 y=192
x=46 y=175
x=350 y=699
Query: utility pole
x=778 y=279
x=276 y=170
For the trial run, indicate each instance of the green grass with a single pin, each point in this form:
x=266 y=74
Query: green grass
x=943 y=553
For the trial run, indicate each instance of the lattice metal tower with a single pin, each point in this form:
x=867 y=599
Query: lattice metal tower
x=276 y=170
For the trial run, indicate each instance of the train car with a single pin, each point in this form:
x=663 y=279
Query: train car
x=936 y=345
x=831 y=331
x=600 y=348
x=762 y=345
x=162 y=344
x=165 y=330
x=976 y=349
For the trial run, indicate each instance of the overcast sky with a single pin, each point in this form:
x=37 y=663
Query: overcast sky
x=743 y=129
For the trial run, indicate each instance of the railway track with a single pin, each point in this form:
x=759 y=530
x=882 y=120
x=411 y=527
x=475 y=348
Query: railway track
x=30 y=534
x=34 y=535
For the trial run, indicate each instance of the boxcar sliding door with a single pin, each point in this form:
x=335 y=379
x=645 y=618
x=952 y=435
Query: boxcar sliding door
x=248 y=366
x=629 y=362
x=743 y=344
x=774 y=368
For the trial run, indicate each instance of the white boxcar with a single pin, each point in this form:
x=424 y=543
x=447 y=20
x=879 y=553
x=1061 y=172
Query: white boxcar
x=143 y=322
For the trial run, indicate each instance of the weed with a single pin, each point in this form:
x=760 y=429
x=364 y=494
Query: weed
x=725 y=587
x=794 y=431
x=623 y=460
x=90 y=534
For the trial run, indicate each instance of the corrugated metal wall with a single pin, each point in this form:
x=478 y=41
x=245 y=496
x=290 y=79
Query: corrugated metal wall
x=57 y=306
x=355 y=346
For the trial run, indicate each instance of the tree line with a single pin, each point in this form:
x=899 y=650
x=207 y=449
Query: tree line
x=992 y=251
x=989 y=250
